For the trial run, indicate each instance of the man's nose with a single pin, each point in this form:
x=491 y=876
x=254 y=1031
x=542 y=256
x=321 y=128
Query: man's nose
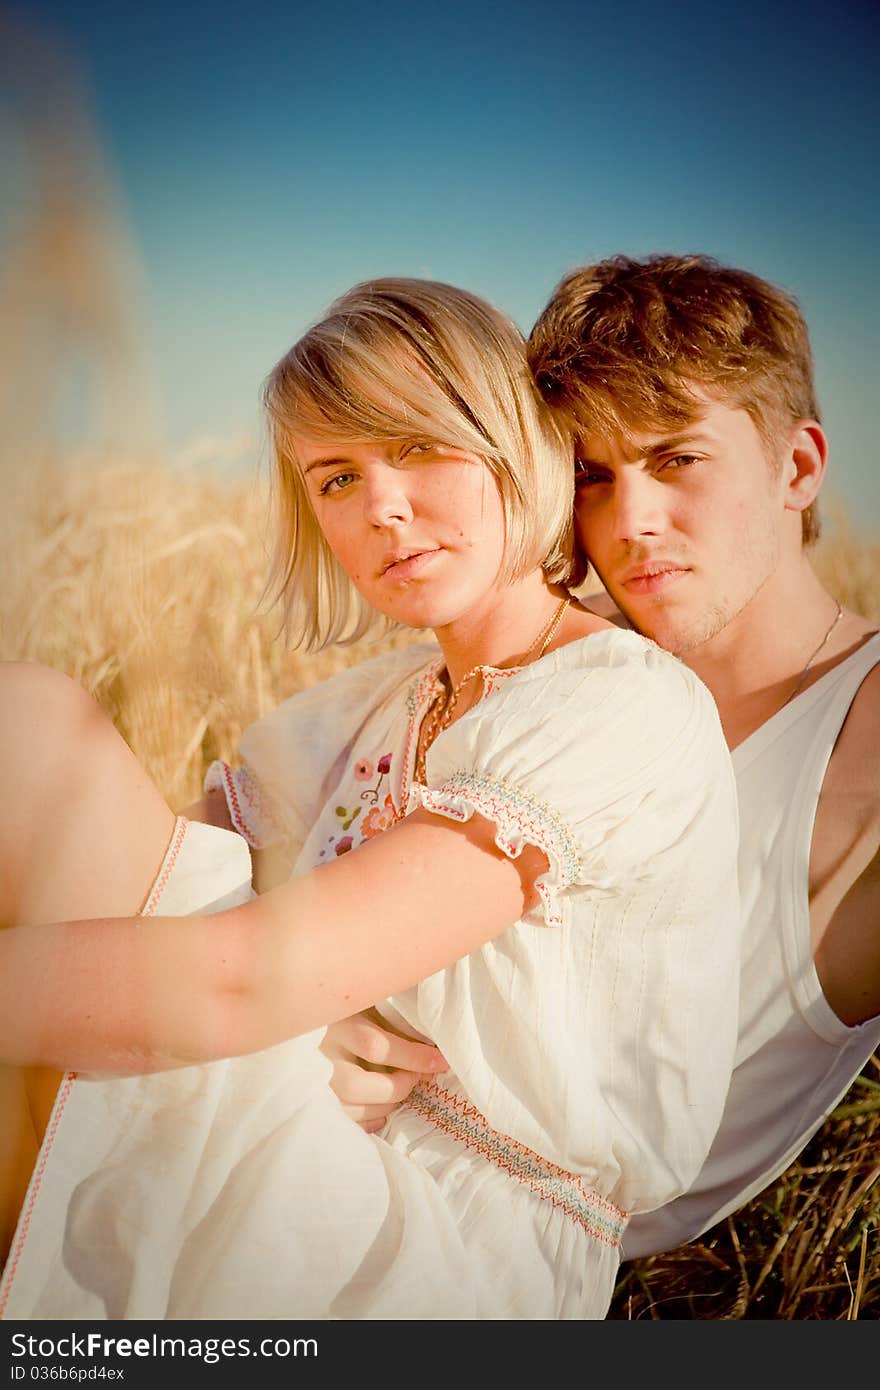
x=637 y=507
x=386 y=500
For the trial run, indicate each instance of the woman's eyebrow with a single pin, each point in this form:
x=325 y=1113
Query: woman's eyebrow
x=324 y=463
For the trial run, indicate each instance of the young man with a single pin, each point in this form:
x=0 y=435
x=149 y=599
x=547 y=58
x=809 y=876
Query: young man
x=689 y=388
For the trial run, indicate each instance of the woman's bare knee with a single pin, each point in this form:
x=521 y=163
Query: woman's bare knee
x=83 y=826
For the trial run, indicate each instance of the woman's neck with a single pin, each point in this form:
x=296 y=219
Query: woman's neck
x=505 y=630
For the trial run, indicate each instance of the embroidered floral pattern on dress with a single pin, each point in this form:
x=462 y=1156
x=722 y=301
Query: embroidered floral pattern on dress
x=520 y=819
x=348 y=817
x=419 y=697
x=364 y=772
x=453 y=1115
x=423 y=692
x=33 y=1192
x=251 y=810
x=165 y=869
x=495 y=676
x=377 y=819
x=420 y=692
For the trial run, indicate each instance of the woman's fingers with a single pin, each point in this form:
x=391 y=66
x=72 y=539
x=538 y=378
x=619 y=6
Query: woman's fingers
x=356 y=1087
x=368 y=1038
x=374 y=1069
x=369 y=1097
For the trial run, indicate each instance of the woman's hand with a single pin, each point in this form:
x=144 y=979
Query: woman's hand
x=374 y=1067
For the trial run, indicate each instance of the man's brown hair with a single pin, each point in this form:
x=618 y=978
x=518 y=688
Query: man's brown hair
x=624 y=344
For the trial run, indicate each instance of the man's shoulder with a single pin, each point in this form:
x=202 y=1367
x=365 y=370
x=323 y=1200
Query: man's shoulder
x=603 y=606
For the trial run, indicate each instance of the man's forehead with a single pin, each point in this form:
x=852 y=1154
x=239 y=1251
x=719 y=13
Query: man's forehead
x=635 y=437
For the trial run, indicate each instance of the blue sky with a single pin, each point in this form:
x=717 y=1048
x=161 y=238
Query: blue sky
x=267 y=158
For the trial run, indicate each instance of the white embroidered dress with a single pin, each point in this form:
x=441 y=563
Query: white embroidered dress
x=589 y=1045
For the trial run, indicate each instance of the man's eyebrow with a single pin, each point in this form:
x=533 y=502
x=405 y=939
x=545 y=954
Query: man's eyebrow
x=686 y=440
x=678 y=441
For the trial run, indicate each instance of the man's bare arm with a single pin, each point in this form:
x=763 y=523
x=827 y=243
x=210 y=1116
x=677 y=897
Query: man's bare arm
x=845 y=864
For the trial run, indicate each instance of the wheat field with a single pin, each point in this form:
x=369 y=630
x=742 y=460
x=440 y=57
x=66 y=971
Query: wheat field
x=146 y=584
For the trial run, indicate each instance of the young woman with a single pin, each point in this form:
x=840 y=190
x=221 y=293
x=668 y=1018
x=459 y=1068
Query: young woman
x=522 y=840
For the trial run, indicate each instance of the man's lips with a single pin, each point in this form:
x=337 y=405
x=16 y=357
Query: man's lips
x=652 y=577
x=407 y=564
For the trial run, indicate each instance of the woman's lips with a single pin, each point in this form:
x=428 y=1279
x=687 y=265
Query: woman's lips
x=409 y=566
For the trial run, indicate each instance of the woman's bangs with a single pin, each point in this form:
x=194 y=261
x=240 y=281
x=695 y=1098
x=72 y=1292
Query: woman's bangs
x=355 y=393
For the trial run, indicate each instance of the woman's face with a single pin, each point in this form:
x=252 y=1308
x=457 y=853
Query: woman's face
x=417 y=526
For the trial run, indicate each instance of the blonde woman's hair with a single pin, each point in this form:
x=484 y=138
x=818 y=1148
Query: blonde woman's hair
x=412 y=359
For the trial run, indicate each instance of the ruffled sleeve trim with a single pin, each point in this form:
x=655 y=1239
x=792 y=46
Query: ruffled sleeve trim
x=520 y=819
x=251 y=810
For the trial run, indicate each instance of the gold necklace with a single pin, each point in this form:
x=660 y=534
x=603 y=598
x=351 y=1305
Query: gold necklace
x=803 y=675
x=440 y=710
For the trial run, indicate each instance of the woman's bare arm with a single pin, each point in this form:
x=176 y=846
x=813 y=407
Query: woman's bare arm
x=123 y=996
x=374 y=1067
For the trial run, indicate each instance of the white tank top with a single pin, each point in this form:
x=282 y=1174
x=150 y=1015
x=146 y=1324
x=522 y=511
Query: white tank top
x=795 y=1058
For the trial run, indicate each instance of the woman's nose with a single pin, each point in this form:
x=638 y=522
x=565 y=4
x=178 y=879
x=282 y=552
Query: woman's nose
x=386 y=500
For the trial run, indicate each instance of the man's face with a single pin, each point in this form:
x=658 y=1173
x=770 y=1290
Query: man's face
x=683 y=526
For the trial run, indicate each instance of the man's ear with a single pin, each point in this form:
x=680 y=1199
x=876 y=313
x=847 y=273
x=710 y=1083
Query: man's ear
x=804 y=464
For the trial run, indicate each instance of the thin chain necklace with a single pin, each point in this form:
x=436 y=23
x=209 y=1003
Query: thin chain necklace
x=440 y=711
x=803 y=675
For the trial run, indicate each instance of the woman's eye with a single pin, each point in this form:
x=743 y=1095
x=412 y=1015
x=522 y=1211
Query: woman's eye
x=337 y=483
x=420 y=446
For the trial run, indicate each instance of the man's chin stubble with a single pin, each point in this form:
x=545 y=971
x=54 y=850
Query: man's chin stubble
x=681 y=639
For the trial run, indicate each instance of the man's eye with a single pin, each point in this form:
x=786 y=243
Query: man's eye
x=680 y=461
x=587 y=473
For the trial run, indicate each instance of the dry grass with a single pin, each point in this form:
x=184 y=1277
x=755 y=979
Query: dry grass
x=145 y=585
x=807 y=1247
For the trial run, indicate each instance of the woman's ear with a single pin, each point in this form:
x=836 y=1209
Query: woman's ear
x=804 y=464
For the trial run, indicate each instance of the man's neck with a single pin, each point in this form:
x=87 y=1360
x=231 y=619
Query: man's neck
x=785 y=639
x=754 y=664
